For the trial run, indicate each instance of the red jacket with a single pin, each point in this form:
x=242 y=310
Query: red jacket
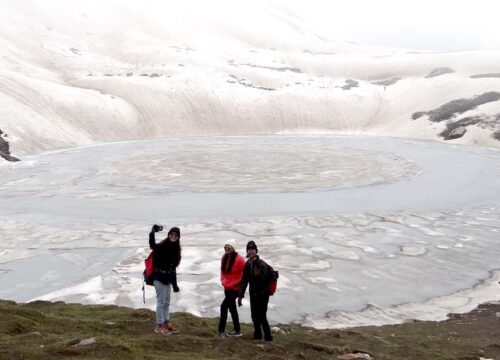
x=232 y=280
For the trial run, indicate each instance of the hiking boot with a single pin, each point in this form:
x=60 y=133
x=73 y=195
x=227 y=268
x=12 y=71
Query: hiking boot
x=157 y=329
x=270 y=338
x=220 y=335
x=234 y=333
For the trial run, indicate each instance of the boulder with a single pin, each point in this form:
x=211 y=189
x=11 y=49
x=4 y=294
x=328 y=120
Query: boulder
x=457 y=133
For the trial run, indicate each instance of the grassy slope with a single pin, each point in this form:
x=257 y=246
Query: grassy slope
x=43 y=330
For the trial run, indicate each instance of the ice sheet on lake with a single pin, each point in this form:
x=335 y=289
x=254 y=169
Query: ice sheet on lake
x=369 y=250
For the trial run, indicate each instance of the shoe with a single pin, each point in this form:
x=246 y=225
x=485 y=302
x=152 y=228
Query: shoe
x=171 y=329
x=157 y=329
x=220 y=335
x=163 y=330
x=256 y=339
x=234 y=333
x=269 y=338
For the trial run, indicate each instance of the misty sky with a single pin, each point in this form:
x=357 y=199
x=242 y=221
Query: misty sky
x=418 y=24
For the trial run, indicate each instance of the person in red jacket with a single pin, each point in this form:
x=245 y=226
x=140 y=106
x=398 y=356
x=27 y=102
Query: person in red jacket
x=232 y=265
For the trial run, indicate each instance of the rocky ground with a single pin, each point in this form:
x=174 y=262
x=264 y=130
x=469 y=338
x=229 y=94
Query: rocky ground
x=43 y=330
x=5 y=148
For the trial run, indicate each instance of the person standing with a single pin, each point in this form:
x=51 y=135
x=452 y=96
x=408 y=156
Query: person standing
x=256 y=274
x=167 y=257
x=232 y=265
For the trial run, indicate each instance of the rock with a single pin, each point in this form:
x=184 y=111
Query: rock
x=86 y=342
x=418 y=115
x=5 y=148
x=9 y=157
x=277 y=330
x=349 y=84
x=357 y=356
x=457 y=133
x=35 y=333
x=496 y=135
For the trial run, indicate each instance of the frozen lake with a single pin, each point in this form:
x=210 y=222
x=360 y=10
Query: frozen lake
x=364 y=230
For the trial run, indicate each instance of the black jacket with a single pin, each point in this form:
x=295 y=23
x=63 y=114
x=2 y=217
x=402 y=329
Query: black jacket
x=255 y=273
x=166 y=260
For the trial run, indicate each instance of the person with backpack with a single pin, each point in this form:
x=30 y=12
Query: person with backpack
x=232 y=265
x=256 y=274
x=167 y=257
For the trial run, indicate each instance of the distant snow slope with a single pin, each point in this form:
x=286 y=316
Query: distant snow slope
x=75 y=73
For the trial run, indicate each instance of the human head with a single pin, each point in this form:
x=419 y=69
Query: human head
x=230 y=246
x=174 y=234
x=252 y=249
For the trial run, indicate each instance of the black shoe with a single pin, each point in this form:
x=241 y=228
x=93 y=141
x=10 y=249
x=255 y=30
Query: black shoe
x=257 y=338
x=269 y=338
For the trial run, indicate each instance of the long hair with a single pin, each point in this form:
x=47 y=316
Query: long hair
x=228 y=262
x=173 y=249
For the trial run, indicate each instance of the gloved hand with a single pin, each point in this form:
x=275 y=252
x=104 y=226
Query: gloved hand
x=156 y=228
x=240 y=301
x=176 y=288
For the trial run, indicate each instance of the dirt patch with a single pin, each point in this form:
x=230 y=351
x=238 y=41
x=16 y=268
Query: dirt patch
x=387 y=82
x=456 y=107
x=481 y=76
x=439 y=71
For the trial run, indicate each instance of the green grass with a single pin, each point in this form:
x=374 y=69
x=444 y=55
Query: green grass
x=43 y=330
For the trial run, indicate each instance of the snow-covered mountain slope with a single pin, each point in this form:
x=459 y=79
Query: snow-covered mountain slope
x=76 y=73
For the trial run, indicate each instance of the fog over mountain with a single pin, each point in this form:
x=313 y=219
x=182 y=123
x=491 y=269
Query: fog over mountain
x=82 y=72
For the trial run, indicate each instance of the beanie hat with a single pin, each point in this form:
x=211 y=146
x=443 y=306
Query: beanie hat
x=175 y=230
x=251 y=245
x=232 y=243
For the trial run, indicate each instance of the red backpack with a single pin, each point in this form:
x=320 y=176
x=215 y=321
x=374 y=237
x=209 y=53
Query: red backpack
x=273 y=280
x=150 y=268
x=148 y=273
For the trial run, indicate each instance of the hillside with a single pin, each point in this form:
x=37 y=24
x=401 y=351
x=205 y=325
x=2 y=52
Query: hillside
x=43 y=330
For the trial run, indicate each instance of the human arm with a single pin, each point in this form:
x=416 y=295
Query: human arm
x=175 y=287
x=152 y=241
x=237 y=273
x=244 y=283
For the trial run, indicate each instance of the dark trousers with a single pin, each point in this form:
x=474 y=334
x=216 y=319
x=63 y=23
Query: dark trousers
x=229 y=303
x=258 y=307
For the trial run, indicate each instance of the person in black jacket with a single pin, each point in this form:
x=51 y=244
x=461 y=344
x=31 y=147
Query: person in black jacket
x=256 y=274
x=167 y=256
